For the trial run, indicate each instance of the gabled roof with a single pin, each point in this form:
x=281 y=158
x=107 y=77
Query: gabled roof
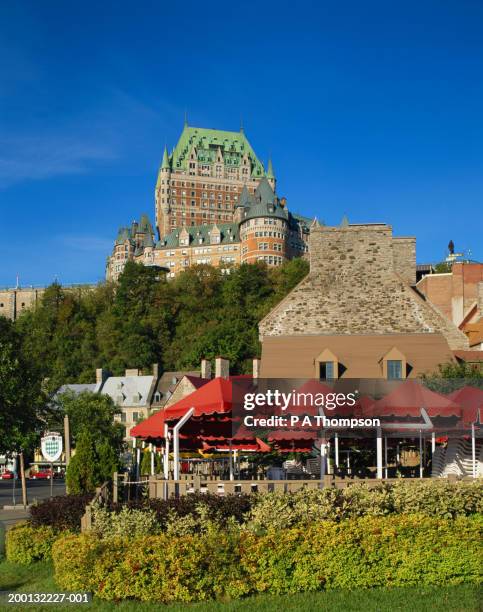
x=201 y=232
x=206 y=142
x=129 y=391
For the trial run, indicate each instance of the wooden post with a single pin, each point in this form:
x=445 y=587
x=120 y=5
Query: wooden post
x=115 y=487
x=24 y=484
x=67 y=440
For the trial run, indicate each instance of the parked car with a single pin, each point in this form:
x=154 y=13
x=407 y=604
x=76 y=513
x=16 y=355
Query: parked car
x=7 y=475
x=41 y=475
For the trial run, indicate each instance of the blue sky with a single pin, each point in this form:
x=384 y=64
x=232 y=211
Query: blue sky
x=369 y=109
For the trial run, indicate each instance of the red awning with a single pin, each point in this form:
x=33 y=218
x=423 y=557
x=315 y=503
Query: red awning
x=153 y=427
x=213 y=398
x=409 y=397
x=471 y=401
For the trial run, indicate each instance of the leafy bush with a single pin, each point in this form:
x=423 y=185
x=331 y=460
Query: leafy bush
x=438 y=498
x=360 y=552
x=220 y=509
x=62 y=512
x=26 y=544
x=129 y=522
x=435 y=498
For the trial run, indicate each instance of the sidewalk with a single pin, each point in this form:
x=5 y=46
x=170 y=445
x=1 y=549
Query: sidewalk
x=9 y=516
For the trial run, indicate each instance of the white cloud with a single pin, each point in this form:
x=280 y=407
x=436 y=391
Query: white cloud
x=86 y=243
x=41 y=157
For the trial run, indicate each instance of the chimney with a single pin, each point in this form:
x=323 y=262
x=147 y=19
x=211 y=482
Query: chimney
x=283 y=202
x=156 y=371
x=479 y=298
x=222 y=367
x=101 y=376
x=132 y=372
x=205 y=368
x=256 y=367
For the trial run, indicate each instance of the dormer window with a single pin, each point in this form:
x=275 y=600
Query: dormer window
x=394 y=365
x=157 y=396
x=327 y=366
x=394 y=369
x=327 y=370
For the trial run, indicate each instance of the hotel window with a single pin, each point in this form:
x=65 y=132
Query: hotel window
x=394 y=369
x=327 y=370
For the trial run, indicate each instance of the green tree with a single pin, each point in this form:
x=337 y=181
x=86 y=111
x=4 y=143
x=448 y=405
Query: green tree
x=83 y=475
x=108 y=461
x=146 y=463
x=22 y=403
x=451 y=376
x=92 y=412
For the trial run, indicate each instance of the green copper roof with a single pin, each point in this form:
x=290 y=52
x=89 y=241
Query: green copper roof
x=270 y=172
x=233 y=146
x=123 y=234
x=200 y=232
x=145 y=225
x=165 y=162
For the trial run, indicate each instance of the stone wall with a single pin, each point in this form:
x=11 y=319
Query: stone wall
x=352 y=288
x=14 y=301
x=404 y=258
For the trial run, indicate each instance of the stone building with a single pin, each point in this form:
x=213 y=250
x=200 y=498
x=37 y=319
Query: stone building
x=357 y=314
x=214 y=204
x=14 y=301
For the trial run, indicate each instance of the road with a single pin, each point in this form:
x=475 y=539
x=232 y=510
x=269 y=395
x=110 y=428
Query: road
x=36 y=490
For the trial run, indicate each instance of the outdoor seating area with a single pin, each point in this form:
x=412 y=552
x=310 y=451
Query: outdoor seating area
x=205 y=447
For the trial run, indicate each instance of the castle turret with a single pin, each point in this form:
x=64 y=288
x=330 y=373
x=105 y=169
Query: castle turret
x=271 y=175
x=264 y=227
x=162 y=195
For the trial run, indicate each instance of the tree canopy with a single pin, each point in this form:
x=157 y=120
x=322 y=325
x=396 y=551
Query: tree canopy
x=21 y=397
x=145 y=319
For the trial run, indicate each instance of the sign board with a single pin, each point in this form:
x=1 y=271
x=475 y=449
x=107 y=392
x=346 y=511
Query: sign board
x=51 y=445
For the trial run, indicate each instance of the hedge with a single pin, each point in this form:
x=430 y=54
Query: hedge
x=26 y=544
x=60 y=512
x=356 y=553
x=282 y=510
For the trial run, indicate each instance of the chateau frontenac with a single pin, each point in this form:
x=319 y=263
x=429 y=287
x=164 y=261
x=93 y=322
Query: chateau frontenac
x=214 y=204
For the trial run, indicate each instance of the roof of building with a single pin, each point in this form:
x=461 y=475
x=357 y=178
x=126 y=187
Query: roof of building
x=200 y=234
x=129 y=391
x=264 y=203
x=474 y=331
x=77 y=388
x=352 y=288
x=469 y=356
x=169 y=380
x=206 y=142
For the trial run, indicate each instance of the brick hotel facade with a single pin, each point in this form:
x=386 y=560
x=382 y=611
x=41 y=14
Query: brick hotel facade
x=214 y=204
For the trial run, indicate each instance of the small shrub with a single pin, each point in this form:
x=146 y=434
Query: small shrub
x=221 y=509
x=26 y=544
x=128 y=522
x=62 y=512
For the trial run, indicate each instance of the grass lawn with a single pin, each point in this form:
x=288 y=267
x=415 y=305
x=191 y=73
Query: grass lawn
x=38 y=578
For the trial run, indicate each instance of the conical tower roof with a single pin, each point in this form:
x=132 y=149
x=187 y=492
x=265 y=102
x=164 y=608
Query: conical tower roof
x=165 y=162
x=270 y=172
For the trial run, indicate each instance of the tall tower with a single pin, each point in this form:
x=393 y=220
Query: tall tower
x=162 y=195
x=200 y=182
